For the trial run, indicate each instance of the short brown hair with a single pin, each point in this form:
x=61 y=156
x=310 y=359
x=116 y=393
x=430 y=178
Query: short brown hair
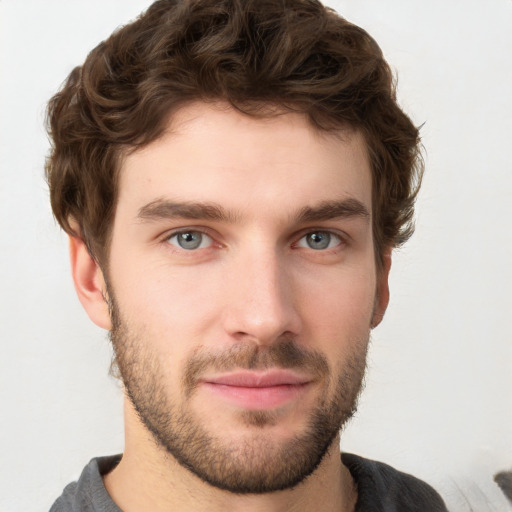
x=294 y=54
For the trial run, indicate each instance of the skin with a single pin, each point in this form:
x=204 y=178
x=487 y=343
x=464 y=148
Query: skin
x=253 y=281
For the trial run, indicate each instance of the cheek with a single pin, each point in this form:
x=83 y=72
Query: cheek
x=339 y=308
x=171 y=304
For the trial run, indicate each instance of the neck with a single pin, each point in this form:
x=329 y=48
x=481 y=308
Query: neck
x=148 y=478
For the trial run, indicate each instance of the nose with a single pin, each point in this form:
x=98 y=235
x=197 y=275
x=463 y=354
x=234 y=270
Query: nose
x=261 y=301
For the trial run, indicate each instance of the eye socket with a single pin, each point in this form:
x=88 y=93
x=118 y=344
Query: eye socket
x=190 y=240
x=319 y=240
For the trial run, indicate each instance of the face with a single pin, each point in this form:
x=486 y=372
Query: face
x=243 y=286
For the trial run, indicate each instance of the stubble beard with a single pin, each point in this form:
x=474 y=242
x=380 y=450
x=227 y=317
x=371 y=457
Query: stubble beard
x=256 y=463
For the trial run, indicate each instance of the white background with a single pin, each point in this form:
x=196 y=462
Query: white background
x=438 y=396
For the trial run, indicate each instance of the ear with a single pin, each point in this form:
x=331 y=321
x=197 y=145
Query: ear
x=89 y=283
x=382 y=292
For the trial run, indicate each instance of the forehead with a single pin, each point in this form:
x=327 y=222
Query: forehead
x=211 y=152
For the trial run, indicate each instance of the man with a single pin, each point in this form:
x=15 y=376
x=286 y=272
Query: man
x=233 y=177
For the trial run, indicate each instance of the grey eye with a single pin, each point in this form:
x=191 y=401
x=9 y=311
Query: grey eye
x=190 y=240
x=319 y=240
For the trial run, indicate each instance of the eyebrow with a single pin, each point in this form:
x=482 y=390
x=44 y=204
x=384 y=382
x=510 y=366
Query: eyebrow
x=161 y=209
x=328 y=210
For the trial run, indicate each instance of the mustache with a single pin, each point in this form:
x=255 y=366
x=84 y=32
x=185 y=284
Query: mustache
x=285 y=354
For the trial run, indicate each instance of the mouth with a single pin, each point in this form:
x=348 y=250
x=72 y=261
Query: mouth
x=252 y=390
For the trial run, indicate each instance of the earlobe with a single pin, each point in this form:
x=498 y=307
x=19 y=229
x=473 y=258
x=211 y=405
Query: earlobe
x=89 y=283
x=382 y=292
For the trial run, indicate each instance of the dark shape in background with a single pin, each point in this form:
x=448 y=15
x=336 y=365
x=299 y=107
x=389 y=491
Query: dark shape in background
x=504 y=480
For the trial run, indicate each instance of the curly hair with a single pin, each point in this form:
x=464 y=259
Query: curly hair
x=296 y=55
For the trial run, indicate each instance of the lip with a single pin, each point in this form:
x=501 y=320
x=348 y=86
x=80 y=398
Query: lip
x=252 y=390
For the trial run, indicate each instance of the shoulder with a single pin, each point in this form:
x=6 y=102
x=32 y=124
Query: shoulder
x=88 y=494
x=66 y=501
x=382 y=488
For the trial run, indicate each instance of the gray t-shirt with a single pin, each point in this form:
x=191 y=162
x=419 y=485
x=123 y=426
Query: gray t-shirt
x=380 y=489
